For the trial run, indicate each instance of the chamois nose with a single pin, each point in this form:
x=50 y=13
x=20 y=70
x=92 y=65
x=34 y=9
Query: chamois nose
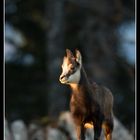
x=61 y=77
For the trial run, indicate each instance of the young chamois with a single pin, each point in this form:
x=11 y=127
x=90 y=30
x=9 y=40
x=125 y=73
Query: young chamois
x=90 y=103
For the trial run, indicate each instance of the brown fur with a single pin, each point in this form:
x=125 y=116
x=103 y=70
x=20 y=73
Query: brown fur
x=91 y=103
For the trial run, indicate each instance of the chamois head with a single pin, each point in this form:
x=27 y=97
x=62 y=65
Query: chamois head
x=71 y=68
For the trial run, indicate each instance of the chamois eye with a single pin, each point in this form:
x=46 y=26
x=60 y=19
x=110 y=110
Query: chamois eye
x=72 y=68
x=77 y=64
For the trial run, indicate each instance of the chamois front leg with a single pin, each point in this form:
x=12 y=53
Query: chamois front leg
x=79 y=125
x=80 y=132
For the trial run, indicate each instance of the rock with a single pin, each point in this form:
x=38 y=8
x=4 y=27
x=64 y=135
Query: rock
x=54 y=134
x=119 y=132
x=64 y=129
x=36 y=132
x=19 y=130
x=66 y=122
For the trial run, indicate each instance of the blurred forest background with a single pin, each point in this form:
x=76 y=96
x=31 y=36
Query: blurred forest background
x=36 y=36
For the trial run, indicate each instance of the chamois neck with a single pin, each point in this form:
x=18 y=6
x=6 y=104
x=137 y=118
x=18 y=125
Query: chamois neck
x=74 y=86
x=83 y=82
x=84 y=78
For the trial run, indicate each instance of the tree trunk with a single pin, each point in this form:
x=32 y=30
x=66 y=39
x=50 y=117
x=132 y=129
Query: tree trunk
x=56 y=100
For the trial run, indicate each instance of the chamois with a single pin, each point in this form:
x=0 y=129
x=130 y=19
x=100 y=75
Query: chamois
x=90 y=103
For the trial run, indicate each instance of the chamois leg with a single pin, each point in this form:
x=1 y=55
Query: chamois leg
x=109 y=136
x=80 y=132
x=108 y=133
x=97 y=131
x=108 y=130
x=83 y=130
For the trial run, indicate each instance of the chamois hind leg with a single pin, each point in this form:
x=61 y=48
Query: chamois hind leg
x=108 y=129
x=97 y=130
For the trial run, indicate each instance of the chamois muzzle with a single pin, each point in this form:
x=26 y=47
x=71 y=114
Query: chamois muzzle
x=63 y=78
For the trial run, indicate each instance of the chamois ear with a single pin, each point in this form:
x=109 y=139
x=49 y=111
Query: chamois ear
x=78 y=57
x=69 y=53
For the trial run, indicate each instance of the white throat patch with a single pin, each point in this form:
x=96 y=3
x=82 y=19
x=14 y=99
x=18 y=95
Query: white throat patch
x=75 y=77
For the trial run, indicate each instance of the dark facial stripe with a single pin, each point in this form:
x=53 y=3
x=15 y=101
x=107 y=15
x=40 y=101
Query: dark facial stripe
x=71 y=72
